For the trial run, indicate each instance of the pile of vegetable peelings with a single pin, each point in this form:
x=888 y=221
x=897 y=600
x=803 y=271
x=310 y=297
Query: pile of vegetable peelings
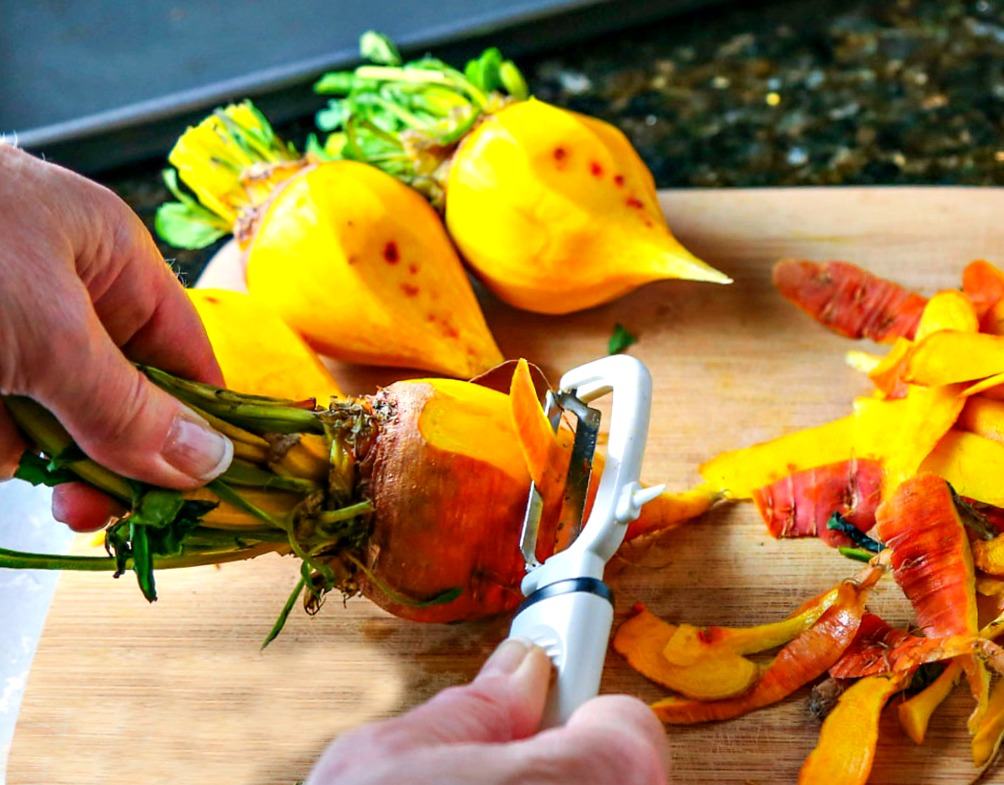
x=359 y=248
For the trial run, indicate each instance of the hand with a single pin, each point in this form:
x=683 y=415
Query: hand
x=483 y=734
x=83 y=287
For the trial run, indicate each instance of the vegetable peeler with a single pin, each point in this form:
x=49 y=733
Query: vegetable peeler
x=568 y=610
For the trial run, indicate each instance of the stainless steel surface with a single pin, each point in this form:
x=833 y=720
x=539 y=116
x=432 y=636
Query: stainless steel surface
x=580 y=466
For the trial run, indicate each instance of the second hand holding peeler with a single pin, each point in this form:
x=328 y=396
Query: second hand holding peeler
x=568 y=610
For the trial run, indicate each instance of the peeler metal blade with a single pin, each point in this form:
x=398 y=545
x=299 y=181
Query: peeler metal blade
x=580 y=469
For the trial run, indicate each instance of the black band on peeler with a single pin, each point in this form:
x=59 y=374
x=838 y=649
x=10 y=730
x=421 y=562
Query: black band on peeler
x=587 y=585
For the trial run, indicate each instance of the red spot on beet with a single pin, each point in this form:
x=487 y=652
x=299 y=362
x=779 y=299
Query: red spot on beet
x=412 y=268
x=390 y=253
x=353 y=259
x=450 y=331
x=560 y=154
x=213 y=300
x=431 y=318
x=595 y=169
x=634 y=202
x=705 y=635
x=619 y=180
x=409 y=289
x=648 y=223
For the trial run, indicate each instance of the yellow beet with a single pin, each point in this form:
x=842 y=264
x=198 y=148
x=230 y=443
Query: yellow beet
x=715 y=675
x=738 y=473
x=953 y=356
x=915 y=713
x=983 y=416
x=360 y=265
x=972 y=465
x=988 y=555
x=353 y=260
x=849 y=735
x=257 y=352
x=556 y=211
x=947 y=310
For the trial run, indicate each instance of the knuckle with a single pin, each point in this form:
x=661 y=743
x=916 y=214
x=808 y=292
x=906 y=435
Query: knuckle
x=123 y=415
x=119 y=408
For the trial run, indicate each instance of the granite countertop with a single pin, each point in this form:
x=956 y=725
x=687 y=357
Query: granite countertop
x=824 y=92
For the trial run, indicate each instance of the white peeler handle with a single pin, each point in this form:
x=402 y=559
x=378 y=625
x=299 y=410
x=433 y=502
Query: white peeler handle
x=573 y=627
x=568 y=609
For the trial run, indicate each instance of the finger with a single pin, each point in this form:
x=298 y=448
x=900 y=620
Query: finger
x=173 y=338
x=503 y=703
x=141 y=303
x=610 y=714
x=613 y=738
x=12 y=445
x=83 y=508
x=118 y=417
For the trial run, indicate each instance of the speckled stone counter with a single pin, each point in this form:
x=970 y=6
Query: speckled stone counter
x=779 y=93
x=797 y=93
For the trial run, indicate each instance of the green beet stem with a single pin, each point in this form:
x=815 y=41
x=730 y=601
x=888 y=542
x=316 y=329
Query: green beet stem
x=50 y=437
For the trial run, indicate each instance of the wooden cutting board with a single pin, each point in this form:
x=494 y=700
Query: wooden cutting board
x=178 y=692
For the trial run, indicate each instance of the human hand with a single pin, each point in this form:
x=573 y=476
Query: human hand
x=483 y=734
x=83 y=287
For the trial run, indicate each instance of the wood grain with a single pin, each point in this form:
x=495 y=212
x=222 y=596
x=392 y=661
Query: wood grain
x=178 y=692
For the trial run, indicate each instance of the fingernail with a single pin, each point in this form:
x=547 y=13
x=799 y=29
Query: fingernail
x=507 y=658
x=195 y=449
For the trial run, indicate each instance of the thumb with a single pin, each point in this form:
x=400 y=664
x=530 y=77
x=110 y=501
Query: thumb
x=505 y=702
x=122 y=420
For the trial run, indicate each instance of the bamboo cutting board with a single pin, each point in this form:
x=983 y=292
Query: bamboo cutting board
x=178 y=692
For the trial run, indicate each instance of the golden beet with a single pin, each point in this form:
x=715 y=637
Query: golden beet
x=353 y=260
x=554 y=210
x=257 y=352
x=557 y=212
x=413 y=497
x=359 y=264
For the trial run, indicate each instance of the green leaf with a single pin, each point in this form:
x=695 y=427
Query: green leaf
x=620 y=340
x=142 y=561
x=182 y=227
x=838 y=522
x=513 y=81
x=284 y=613
x=157 y=507
x=71 y=454
x=484 y=71
x=378 y=48
x=333 y=116
x=335 y=83
x=857 y=554
x=334 y=145
x=186 y=223
x=38 y=471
